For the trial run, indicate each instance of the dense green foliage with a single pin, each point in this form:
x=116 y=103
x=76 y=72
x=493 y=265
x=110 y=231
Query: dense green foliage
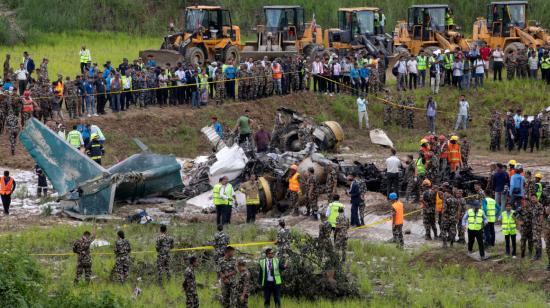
x=152 y=16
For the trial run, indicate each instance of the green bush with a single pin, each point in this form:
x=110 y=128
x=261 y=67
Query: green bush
x=7 y=35
x=86 y=299
x=21 y=282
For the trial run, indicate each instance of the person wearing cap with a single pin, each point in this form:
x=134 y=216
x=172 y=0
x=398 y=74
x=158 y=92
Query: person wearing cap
x=455 y=155
x=449 y=221
x=95 y=149
x=270 y=279
x=341 y=235
x=190 y=284
x=244 y=284
x=397 y=214
x=475 y=219
x=448 y=60
x=294 y=188
x=539 y=189
x=510 y=130
x=428 y=209
x=523 y=133
x=535 y=130
x=220 y=243
x=517 y=187
x=283 y=241
x=537 y=222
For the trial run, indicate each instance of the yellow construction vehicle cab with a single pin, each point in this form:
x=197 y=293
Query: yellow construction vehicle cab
x=358 y=27
x=506 y=25
x=208 y=34
x=284 y=32
x=428 y=27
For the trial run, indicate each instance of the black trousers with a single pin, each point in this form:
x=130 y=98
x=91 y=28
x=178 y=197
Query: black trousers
x=508 y=239
x=476 y=236
x=393 y=184
x=271 y=288
x=497 y=73
x=219 y=215
x=6 y=201
x=251 y=213
x=227 y=214
x=489 y=231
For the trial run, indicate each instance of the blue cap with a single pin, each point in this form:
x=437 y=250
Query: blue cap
x=393 y=196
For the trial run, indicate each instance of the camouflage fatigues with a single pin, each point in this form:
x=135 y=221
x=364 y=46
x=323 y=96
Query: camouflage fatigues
x=341 y=236
x=312 y=193
x=410 y=113
x=331 y=182
x=228 y=271
x=525 y=218
x=448 y=232
x=432 y=169
x=511 y=64
x=283 y=243
x=537 y=224
x=190 y=288
x=241 y=83
x=374 y=81
x=522 y=65
x=400 y=117
x=244 y=286
x=461 y=209
x=409 y=179
x=495 y=125
x=546 y=230
x=164 y=244
x=465 y=152
x=387 y=113
x=220 y=88
x=268 y=81
x=428 y=212
x=122 y=262
x=324 y=241
x=70 y=99
x=221 y=240
x=84 y=259
x=12 y=125
x=261 y=81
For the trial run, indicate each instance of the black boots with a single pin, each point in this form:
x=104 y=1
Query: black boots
x=538 y=254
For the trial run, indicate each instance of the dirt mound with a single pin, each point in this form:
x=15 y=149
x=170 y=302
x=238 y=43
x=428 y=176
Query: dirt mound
x=498 y=263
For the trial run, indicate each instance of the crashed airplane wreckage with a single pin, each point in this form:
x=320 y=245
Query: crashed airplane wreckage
x=91 y=188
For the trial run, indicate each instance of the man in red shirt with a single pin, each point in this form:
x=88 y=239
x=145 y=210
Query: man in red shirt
x=485 y=51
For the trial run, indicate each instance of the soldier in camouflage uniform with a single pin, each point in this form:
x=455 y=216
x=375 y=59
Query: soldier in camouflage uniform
x=220 y=88
x=241 y=82
x=450 y=210
x=163 y=246
x=84 y=259
x=141 y=99
x=522 y=64
x=530 y=184
x=151 y=83
x=221 y=240
x=465 y=150
x=70 y=98
x=331 y=182
x=294 y=75
x=461 y=210
x=388 y=108
x=546 y=232
x=122 y=254
x=495 y=126
x=381 y=71
x=341 y=235
x=254 y=81
x=283 y=241
x=244 y=285
x=228 y=272
x=545 y=129
x=3 y=111
x=268 y=79
x=409 y=111
x=12 y=123
x=190 y=284
x=400 y=117
x=324 y=240
x=428 y=210
x=537 y=224
x=312 y=186
x=511 y=65
x=374 y=80
x=432 y=168
x=409 y=177
x=524 y=219
x=261 y=79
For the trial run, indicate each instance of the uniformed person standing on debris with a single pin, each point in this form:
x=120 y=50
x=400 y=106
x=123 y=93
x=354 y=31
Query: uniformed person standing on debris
x=341 y=234
x=332 y=181
x=251 y=191
x=190 y=284
x=284 y=239
x=122 y=253
x=244 y=285
x=84 y=259
x=163 y=246
x=312 y=193
x=294 y=189
x=228 y=271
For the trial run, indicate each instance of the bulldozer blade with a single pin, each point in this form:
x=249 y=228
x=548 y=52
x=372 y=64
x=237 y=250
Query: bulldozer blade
x=259 y=55
x=163 y=56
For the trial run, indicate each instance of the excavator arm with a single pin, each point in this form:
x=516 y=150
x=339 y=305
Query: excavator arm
x=526 y=38
x=443 y=42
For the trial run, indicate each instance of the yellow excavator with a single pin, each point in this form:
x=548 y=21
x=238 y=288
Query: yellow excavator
x=208 y=34
x=284 y=32
x=506 y=25
x=428 y=27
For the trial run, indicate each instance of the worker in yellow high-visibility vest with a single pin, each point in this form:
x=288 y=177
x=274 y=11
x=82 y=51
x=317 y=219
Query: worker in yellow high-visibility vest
x=474 y=218
x=251 y=191
x=508 y=222
x=85 y=58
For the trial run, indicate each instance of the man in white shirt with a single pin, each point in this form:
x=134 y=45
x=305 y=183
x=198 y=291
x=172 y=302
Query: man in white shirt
x=336 y=75
x=479 y=69
x=402 y=74
x=412 y=69
x=463 y=110
x=393 y=163
x=316 y=70
x=362 y=104
x=22 y=76
x=249 y=64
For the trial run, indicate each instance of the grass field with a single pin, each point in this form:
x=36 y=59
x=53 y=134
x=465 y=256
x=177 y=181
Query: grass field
x=62 y=49
x=387 y=277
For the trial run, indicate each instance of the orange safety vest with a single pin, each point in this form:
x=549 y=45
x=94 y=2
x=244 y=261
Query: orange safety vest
x=28 y=105
x=293 y=183
x=438 y=203
x=277 y=73
x=59 y=89
x=454 y=153
x=398 y=218
x=6 y=189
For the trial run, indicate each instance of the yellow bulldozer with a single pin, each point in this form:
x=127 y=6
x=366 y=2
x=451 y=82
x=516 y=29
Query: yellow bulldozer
x=428 y=27
x=358 y=28
x=208 y=34
x=284 y=32
x=506 y=25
